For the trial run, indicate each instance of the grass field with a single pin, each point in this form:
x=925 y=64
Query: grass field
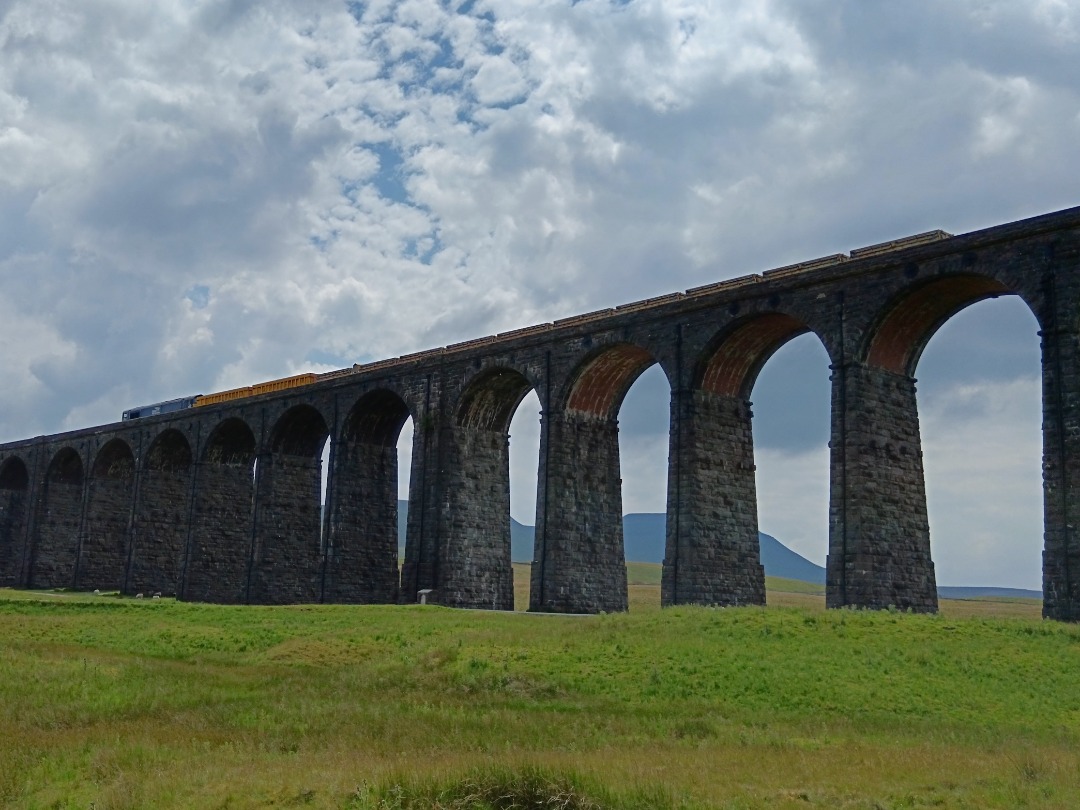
x=120 y=703
x=644 y=586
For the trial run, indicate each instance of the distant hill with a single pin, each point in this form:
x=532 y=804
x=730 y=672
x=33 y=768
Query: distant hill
x=960 y=592
x=643 y=539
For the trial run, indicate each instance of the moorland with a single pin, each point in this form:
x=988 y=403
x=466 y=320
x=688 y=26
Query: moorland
x=111 y=702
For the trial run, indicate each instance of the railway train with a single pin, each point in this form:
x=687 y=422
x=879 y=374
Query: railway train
x=168 y=406
x=198 y=400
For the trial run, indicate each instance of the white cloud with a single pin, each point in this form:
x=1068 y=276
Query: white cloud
x=793 y=499
x=525 y=459
x=983 y=460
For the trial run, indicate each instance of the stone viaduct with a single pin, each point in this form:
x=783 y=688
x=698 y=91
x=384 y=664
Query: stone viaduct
x=221 y=503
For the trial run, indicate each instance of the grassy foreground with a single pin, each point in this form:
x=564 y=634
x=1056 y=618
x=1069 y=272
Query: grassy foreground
x=109 y=702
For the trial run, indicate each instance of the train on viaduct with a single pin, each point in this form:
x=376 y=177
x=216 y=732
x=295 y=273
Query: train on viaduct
x=221 y=502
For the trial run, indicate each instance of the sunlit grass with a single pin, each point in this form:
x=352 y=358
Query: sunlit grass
x=644 y=594
x=113 y=702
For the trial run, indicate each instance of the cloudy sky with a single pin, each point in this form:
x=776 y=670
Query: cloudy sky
x=201 y=194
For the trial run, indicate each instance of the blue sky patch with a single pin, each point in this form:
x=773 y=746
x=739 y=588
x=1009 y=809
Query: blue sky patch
x=199 y=296
x=390 y=179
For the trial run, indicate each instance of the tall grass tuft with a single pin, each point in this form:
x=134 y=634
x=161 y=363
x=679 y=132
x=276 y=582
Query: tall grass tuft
x=502 y=788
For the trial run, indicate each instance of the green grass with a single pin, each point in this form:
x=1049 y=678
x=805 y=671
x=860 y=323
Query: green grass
x=641 y=573
x=111 y=702
x=781 y=585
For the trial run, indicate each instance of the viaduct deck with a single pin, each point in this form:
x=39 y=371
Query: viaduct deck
x=222 y=502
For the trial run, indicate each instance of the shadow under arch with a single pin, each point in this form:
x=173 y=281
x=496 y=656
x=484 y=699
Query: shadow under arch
x=732 y=360
x=219 y=543
x=361 y=562
x=896 y=341
x=114 y=461
x=713 y=549
x=301 y=431
x=232 y=443
x=377 y=418
x=14 y=486
x=162 y=516
x=103 y=552
x=468 y=562
x=66 y=467
x=169 y=452
x=579 y=560
x=491 y=399
x=55 y=547
x=600 y=382
x=13 y=474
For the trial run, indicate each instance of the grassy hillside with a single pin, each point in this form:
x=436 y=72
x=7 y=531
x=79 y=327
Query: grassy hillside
x=109 y=702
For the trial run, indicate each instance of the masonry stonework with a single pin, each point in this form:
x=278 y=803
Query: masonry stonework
x=362 y=552
x=103 y=551
x=13 y=505
x=219 y=544
x=1061 y=459
x=880 y=544
x=160 y=532
x=474 y=558
x=286 y=560
x=201 y=520
x=58 y=524
x=712 y=554
x=578 y=563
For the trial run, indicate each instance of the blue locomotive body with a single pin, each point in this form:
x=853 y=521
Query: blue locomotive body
x=160 y=407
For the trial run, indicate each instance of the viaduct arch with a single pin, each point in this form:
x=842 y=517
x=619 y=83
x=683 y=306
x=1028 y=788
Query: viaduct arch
x=220 y=502
x=713 y=552
x=361 y=548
